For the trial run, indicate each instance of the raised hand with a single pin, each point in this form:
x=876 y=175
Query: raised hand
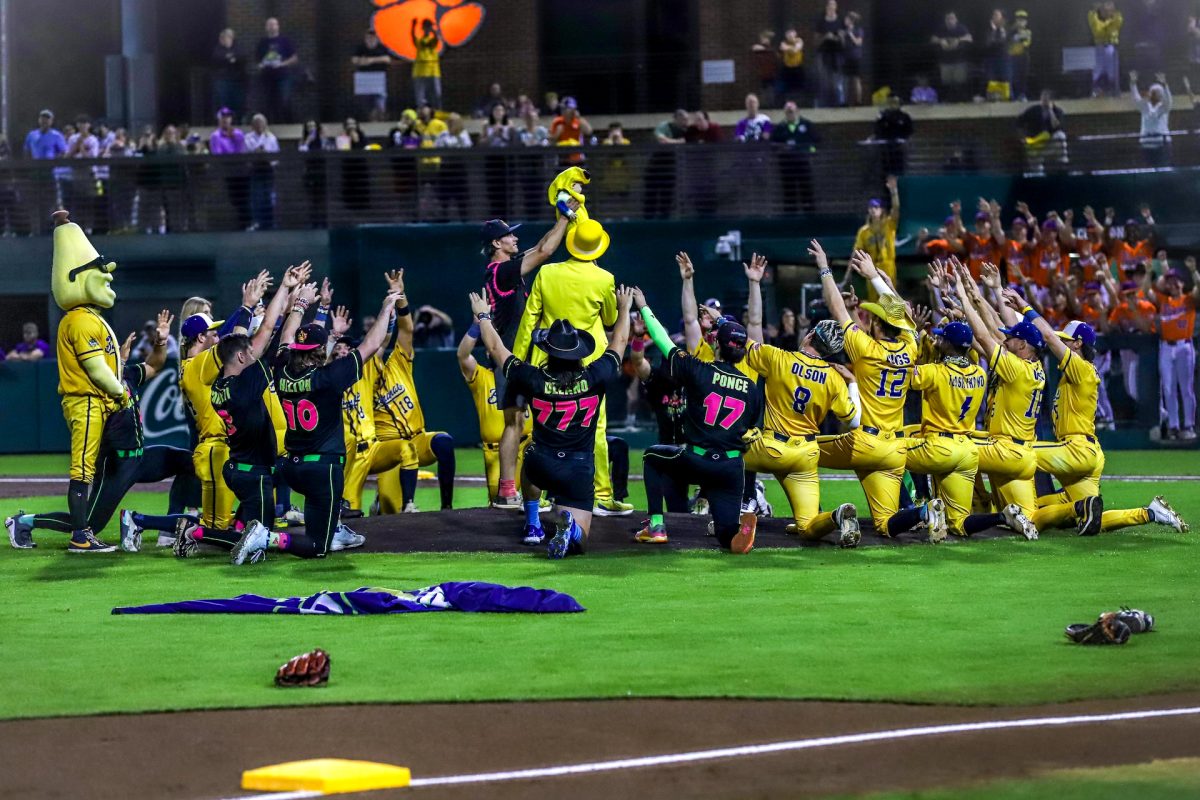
x=991 y=275
x=1023 y=208
x=326 y=293
x=922 y=315
x=983 y=205
x=713 y=315
x=891 y=183
x=817 y=252
x=624 y=298
x=253 y=289
x=127 y=346
x=306 y=293
x=955 y=207
x=639 y=299
x=637 y=325
x=755 y=269
x=162 y=324
x=1015 y=274
x=861 y=263
x=294 y=276
x=686 y=270
x=937 y=275
x=850 y=298
x=395 y=280
x=479 y=303
x=1014 y=301
x=389 y=303
x=341 y=321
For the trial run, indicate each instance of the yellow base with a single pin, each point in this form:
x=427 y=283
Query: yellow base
x=326 y=775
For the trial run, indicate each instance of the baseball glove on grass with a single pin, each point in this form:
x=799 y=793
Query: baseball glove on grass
x=1107 y=629
x=306 y=669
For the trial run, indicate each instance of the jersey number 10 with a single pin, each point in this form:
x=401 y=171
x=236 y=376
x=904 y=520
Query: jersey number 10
x=303 y=412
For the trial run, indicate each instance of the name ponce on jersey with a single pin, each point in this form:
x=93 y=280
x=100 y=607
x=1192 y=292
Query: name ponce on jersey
x=738 y=384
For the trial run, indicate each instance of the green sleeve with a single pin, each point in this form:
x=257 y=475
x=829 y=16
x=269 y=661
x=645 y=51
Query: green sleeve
x=657 y=332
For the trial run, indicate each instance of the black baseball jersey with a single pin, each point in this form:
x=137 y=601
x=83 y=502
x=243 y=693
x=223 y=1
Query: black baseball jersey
x=506 y=294
x=564 y=417
x=238 y=400
x=722 y=403
x=665 y=396
x=123 y=431
x=312 y=405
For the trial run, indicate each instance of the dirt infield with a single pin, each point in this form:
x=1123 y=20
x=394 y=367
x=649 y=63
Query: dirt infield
x=200 y=755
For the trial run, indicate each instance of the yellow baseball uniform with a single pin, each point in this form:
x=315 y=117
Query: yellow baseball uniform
x=196 y=376
x=358 y=426
x=1076 y=459
x=491 y=424
x=585 y=295
x=400 y=425
x=951 y=393
x=801 y=389
x=83 y=335
x=876 y=450
x=1014 y=397
x=880 y=243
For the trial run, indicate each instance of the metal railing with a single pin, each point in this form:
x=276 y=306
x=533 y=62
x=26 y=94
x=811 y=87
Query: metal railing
x=292 y=190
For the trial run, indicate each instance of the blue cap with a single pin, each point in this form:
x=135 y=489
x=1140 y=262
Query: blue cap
x=1026 y=332
x=1076 y=329
x=958 y=334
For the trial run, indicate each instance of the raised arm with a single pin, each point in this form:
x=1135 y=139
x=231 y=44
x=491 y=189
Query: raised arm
x=860 y=262
x=162 y=332
x=1017 y=305
x=620 y=334
x=466 y=348
x=293 y=277
x=893 y=188
x=984 y=341
x=658 y=334
x=637 y=347
x=754 y=275
x=830 y=289
x=549 y=243
x=404 y=322
x=301 y=299
x=377 y=336
x=481 y=310
x=687 y=299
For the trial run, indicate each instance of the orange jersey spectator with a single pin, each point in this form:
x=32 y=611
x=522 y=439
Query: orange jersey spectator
x=1088 y=251
x=1129 y=255
x=1046 y=263
x=1177 y=317
x=1019 y=255
x=1133 y=313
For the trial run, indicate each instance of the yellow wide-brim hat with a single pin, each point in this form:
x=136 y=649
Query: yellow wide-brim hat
x=892 y=310
x=587 y=240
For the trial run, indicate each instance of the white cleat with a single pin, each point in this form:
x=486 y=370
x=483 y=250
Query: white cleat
x=131 y=534
x=346 y=539
x=846 y=517
x=410 y=508
x=1162 y=513
x=761 y=506
x=253 y=544
x=1015 y=518
x=294 y=516
x=936 y=510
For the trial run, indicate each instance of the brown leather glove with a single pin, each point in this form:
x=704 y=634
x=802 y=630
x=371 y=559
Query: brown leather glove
x=306 y=669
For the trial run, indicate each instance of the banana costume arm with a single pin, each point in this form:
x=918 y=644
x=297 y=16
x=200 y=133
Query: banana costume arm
x=103 y=377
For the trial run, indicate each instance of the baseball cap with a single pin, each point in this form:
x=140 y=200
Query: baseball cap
x=982 y=216
x=731 y=333
x=950 y=220
x=570 y=102
x=1173 y=273
x=495 y=229
x=1026 y=332
x=224 y=111
x=310 y=337
x=1020 y=222
x=956 y=333
x=1078 y=330
x=713 y=303
x=1021 y=13
x=1092 y=286
x=1050 y=225
x=197 y=324
x=1129 y=286
x=45 y=112
x=349 y=341
x=874 y=202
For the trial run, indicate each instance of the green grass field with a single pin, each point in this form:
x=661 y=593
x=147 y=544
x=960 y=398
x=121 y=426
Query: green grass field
x=961 y=623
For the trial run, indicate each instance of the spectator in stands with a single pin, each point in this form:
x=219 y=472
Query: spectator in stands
x=791 y=67
x=277 y=60
x=31 y=347
x=570 y=127
x=893 y=129
x=616 y=135
x=799 y=140
x=314 y=140
x=371 y=61
x=951 y=40
x=77 y=186
x=1020 y=39
x=923 y=94
x=877 y=236
x=660 y=170
x=790 y=330
x=493 y=97
x=427 y=67
x=553 y=105
x=828 y=32
x=673 y=130
x=531 y=132
x=996 y=65
x=852 y=58
x=1155 y=108
x=1105 y=22
x=262 y=174
x=702 y=130
x=45 y=141
x=453 y=183
x=497 y=132
x=765 y=58
x=228 y=67
x=433 y=327
x=755 y=126
x=227 y=140
x=1044 y=133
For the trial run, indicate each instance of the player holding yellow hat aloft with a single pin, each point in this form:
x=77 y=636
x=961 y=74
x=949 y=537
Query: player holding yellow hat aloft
x=1076 y=459
x=89 y=365
x=882 y=352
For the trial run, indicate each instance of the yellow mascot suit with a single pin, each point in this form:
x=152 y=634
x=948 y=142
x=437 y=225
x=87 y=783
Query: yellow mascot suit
x=89 y=361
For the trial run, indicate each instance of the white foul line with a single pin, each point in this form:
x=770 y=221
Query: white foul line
x=763 y=749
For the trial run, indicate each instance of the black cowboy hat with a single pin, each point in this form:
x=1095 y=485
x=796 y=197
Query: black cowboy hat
x=561 y=340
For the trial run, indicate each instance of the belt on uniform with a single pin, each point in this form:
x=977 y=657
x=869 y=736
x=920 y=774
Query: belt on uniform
x=872 y=430
x=240 y=467
x=714 y=454
x=317 y=458
x=783 y=437
x=490 y=446
x=130 y=453
x=945 y=435
x=364 y=447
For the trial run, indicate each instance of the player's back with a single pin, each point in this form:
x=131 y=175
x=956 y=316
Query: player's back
x=800 y=390
x=951 y=395
x=1015 y=395
x=196 y=376
x=1075 y=399
x=883 y=370
x=722 y=403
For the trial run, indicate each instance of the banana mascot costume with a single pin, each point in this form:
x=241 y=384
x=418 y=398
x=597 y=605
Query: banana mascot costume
x=89 y=361
x=569 y=184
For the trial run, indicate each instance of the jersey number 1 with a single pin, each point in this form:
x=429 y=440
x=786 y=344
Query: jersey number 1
x=713 y=405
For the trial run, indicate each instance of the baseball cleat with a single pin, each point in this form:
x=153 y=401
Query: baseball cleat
x=743 y=540
x=534 y=535
x=131 y=534
x=508 y=503
x=564 y=535
x=612 y=508
x=85 y=541
x=762 y=507
x=1160 y=512
x=698 y=504
x=1015 y=518
x=651 y=534
x=936 y=519
x=346 y=539
x=1090 y=519
x=184 y=546
x=294 y=516
x=254 y=540
x=411 y=508
x=20 y=535
x=846 y=517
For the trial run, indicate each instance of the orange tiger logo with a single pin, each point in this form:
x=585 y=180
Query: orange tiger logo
x=455 y=22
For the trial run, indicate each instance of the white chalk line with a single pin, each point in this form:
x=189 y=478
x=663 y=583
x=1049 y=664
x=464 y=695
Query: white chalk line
x=764 y=749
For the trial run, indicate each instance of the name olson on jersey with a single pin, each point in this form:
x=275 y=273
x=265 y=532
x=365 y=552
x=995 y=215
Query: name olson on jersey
x=809 y=373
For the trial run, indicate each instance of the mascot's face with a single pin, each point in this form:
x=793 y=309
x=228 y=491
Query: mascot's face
x=80 y=276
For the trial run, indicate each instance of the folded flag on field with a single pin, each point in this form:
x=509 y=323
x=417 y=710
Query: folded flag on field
x=450 y=596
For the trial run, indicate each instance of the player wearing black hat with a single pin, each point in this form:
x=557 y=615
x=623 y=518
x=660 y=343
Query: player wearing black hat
x=722 y=405
x=310 y=391
x=565 y=398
